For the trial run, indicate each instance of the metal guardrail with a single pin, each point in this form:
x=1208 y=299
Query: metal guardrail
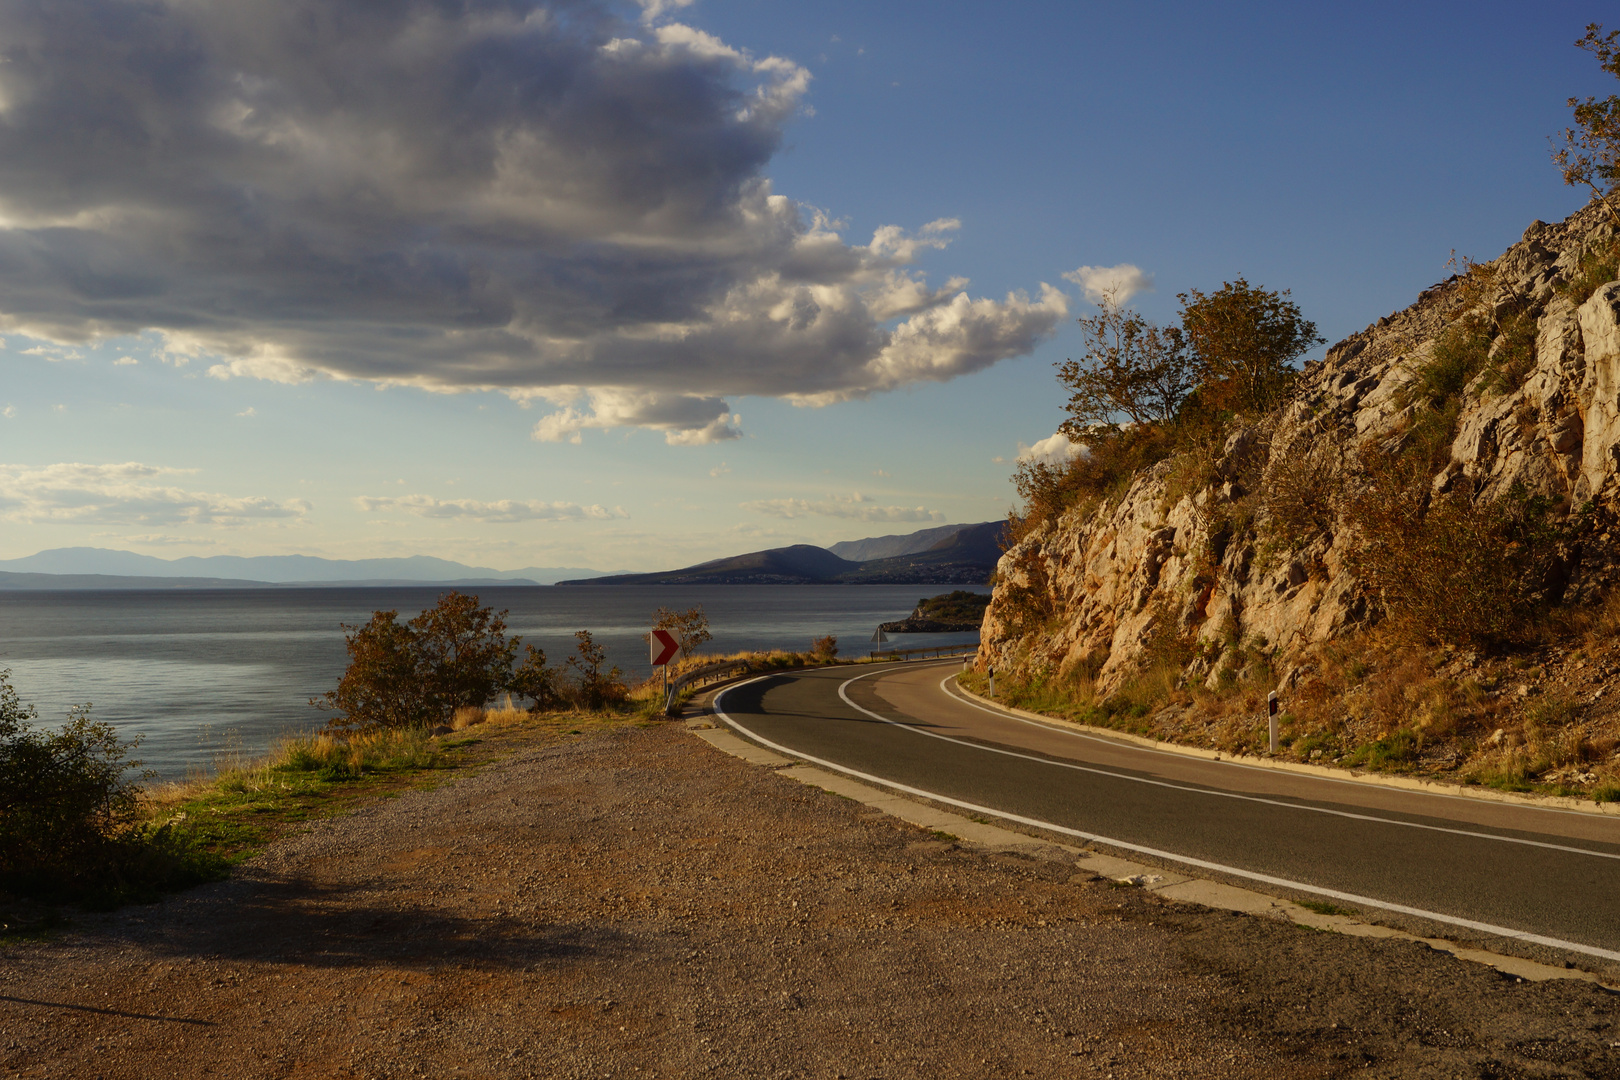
x=937 y=650
x=711 y=673
x=701 y=676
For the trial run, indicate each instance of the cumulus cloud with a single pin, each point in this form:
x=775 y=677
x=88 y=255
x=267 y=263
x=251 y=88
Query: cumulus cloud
x=1052 y=450
x=124 y=494
x=653 y=9
x=1123 y=281
x=503 y=511
x=495 y=194
x=856 y=506
x=684 y=419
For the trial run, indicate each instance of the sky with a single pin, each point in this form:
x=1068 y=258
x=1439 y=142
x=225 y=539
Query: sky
x=626 y=286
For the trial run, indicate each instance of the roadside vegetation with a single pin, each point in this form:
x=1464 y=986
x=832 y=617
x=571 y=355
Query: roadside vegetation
x=1478 y=669
x=81 y=824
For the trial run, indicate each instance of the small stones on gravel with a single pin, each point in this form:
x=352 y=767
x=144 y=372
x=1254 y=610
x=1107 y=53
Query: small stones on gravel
x=632 y=902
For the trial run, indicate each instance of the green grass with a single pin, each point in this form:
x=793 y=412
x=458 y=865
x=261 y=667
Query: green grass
x=1393 y=752
x=239 y=811
x=1322 y=907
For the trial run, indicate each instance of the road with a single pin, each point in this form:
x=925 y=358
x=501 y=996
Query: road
x=1545 y=876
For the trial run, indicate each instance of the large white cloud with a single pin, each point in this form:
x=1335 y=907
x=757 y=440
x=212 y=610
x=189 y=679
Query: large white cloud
x=536 y=197
x=855 y=506
x=128 y=493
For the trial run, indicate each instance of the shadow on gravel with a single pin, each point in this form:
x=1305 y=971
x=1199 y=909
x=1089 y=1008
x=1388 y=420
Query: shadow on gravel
x=281 y=921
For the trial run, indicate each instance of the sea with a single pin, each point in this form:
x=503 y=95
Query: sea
x=209 y=676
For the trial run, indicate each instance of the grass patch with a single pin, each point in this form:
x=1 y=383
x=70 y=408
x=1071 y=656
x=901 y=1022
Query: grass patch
x=235 y=813
x=1393 y=753
x=1322 y=907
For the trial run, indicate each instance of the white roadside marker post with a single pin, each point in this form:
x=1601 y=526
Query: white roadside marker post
x=992 y=682
x=1271 y=715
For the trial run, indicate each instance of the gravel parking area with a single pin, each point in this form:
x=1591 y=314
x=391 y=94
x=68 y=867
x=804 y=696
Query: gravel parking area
x=632 y=903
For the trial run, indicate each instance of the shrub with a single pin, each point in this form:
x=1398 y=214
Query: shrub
x=1394 y=751
x=1450 y=570
x=453 y=655
x=595 y=688
x=462 y=654
x=1599 y=265
x=1302 y=493
x=537 y=682
x=824 y=649
x=380 y=687
x=70 y=823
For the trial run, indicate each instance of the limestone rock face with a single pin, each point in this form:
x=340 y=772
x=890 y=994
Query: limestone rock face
x=1166 y=554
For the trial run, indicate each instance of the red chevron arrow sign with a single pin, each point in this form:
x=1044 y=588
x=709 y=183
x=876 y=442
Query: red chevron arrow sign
x=664 y=647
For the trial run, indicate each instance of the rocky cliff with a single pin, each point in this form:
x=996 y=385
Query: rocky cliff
x=1195 y=548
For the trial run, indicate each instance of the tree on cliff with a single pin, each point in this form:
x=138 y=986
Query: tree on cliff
x=1245 y=341
x=1590 y=153
x=1130 y=368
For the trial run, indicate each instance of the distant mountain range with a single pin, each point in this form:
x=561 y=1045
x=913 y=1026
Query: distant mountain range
x=951 y=555
x=947 y=555
x=236 y=571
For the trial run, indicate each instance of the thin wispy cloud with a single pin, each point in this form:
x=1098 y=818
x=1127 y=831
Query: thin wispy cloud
x=500 y=511
x=856 y=507
x=127 y=493
x=587 y=222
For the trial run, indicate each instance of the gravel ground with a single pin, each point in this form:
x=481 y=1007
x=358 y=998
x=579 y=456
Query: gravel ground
x=631 y=903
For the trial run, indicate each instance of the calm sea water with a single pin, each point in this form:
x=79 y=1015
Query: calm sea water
x=199 y=674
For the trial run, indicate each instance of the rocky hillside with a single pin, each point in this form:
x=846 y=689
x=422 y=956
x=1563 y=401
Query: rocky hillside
x=1256 y=549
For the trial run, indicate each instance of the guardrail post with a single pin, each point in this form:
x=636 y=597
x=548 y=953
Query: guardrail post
x=1271 y=719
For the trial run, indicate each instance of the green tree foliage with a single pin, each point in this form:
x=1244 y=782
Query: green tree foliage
x=689 y=627
x=64 y=796
x=70 y=818
x=535 y=681
x=463 y=656
x=597 y=689
x=418 y=673
x=1245 y=341
x=1131 y=368
x=380 y=687
x=1589 y=152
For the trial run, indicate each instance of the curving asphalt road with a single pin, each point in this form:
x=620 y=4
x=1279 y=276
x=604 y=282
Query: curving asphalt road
x=1544 y=876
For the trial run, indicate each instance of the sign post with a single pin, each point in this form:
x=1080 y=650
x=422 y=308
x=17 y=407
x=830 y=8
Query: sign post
x=664 y=648
x=1271 y=719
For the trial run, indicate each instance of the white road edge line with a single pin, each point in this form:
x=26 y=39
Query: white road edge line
x=1185 y=860
x=1232 y=763
x=1095 y=770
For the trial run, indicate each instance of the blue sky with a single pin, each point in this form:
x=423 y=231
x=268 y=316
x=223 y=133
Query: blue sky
x=507 y=285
